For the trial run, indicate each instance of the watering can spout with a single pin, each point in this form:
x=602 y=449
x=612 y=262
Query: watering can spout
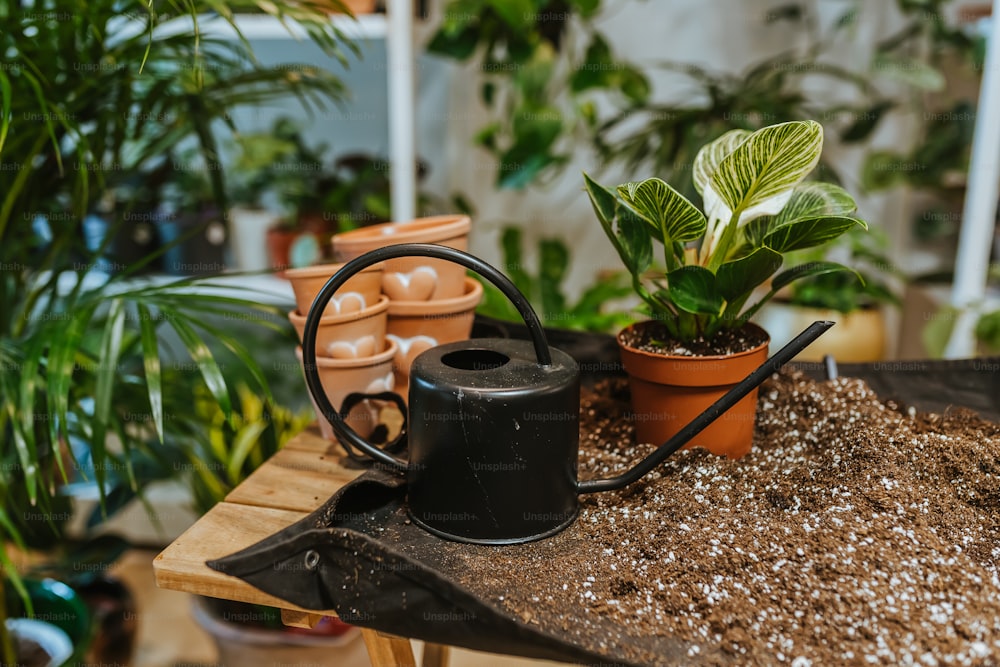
x=699 y=423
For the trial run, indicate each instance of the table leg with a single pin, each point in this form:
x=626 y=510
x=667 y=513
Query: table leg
x=435 y=655
x=387 y=650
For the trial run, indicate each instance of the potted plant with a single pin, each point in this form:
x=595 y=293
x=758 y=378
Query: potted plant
x=296 y=172
x=252 y=180
x=699 y=340
x=855 y=301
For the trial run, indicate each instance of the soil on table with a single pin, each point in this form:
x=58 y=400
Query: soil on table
x=855 y=532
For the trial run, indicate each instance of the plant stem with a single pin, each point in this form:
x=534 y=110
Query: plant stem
x=728 y=234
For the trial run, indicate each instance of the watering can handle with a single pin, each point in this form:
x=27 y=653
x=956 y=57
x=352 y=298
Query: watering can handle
x=498 y=279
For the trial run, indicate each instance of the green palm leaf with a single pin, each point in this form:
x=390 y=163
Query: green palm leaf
x=151 y=365
x=202 y=356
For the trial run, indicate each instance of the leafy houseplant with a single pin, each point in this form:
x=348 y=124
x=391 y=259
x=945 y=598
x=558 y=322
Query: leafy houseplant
x=757 y=208
x=91 y=93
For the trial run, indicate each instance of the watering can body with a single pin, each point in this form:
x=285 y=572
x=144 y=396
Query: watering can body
x=493 y=441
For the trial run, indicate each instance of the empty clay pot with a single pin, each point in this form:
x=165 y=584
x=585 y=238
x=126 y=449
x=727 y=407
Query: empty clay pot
x=415 y=326
x=367 y=375
x=859 y=337
x=669 y=391
x=361 y=290
x=412 y=278
x=351 y=336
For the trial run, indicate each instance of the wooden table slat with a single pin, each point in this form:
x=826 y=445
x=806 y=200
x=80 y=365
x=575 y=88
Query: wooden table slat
x=294 y=479
x=226 y=528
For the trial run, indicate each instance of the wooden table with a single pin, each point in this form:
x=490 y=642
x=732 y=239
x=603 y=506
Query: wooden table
x=293 y=483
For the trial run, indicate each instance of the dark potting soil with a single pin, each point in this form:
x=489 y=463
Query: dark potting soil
x=655 y=338
x=855 y=532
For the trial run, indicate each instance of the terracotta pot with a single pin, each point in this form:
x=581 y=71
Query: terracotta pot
x=293 y=248
x=859 y=336
x=341 y=377
x=412 y=278
x=360 y=291
x=669 y=391
x=351 y=336
x=415 y=326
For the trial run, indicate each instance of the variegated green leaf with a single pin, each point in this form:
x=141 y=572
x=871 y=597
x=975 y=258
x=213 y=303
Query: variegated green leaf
x=809 y=200
x=809 y=232
x=693 y=289
x=668 y=211
x=602 y=199
x=813 y=199
x=708 y=158
x=767 y=165
x=738 y=278
x=786 y=278
x=622 y=228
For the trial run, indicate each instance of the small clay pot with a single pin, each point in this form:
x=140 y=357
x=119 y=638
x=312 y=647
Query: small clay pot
x=669 y=391
x=367 y=375
x=362 y=290
x=859 y=336
x=412 y=278
x=415 y=326
x=350 y=336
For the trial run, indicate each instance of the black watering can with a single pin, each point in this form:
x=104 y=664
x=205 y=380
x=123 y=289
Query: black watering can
x=493 y=428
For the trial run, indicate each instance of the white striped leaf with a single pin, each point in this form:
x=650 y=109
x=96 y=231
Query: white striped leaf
x=670 y=213
x=763 y=170
x=708 y=158
x=809 y=232
x=809 y=200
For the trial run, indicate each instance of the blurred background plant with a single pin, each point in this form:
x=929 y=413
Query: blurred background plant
x=544 y=65
x=93 y=96
x=593 y=311
x=869 y=286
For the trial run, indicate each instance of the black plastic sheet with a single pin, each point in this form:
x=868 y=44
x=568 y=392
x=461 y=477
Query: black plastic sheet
x=359 y=555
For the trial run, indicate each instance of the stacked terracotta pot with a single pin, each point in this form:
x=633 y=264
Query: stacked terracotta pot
x=431 y=301
x=384 y=316
x=352 y=350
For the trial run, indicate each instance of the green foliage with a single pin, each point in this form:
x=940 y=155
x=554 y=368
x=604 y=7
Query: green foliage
x=94 y=95
x=544 y=289
x=354 y=189
x=232 y=448
x=757 y=208
x=848 y=291
x=539 y=77
x=988 y=331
